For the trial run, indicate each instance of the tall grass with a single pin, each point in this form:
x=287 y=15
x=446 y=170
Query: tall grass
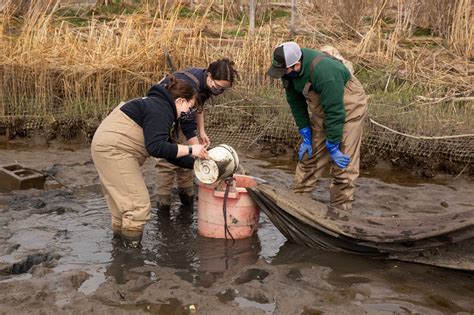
x=461 y=35
x=51 y=67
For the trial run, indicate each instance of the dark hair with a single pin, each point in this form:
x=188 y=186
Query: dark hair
x=180 y=88
x=223 y=69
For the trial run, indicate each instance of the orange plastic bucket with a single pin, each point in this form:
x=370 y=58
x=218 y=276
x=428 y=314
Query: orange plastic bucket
x=242 y=212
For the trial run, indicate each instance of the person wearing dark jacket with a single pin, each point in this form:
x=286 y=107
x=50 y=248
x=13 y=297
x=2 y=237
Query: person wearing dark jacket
x=329 y=106
x=218 y=77
x=135 y=130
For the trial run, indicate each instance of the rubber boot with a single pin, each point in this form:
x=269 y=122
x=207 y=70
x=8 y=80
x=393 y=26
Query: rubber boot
x=132 y=238
x=163 y=204
x=117 y=236
x=117 y=232
x=186 y=195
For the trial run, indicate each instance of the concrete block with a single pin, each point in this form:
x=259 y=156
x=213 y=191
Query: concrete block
x=17 y=177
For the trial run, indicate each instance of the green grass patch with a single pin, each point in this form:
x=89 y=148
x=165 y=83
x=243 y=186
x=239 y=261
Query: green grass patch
x=116 y=7
x=279 y=13
x=236 y=33
x=73 y=16
x=422 y=31
x=273 y=15
x=77 y=21
x=385 y=88
x=68 y=12
x=186 y=12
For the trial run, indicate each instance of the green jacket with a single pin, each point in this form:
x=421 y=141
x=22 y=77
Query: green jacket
x=329 y=78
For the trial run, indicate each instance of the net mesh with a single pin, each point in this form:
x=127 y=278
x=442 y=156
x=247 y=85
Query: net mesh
x=264 y=127
x=250 y=127
x=258 y=127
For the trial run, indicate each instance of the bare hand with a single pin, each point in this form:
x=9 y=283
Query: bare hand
x=204 y=139
x=200 y=151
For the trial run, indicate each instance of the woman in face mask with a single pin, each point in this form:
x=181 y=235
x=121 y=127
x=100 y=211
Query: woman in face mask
x=135 y=130
x=211 y=81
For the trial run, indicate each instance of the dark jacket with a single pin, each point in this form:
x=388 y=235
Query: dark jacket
x=200 y=74
x=156 y=114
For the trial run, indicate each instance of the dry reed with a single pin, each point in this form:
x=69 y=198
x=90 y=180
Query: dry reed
x=51 y=68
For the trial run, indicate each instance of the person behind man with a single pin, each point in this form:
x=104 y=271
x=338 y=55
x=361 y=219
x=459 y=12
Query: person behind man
x=134 y=131
x=218 y=77
x=329 y=106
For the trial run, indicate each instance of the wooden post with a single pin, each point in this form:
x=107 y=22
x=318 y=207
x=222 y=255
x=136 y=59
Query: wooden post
x=293 y=16
x=252 y=5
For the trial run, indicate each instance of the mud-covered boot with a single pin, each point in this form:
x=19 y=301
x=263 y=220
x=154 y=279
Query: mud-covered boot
x=186 y=195
x=132 y=238
x=163 y=204
x=117 y=236
x=117 y=232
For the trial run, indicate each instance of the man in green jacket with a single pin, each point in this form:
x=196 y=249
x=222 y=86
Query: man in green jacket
x=329 y=106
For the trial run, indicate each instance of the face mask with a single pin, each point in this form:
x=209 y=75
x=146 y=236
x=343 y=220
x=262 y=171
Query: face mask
x=293 y=74
x=216 y=90
x=186 y=116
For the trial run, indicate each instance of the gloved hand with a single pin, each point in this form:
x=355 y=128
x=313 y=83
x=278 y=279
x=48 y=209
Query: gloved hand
x=337 y=156
x=307 y=144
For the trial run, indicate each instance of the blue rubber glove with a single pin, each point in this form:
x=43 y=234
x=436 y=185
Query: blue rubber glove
x=337 y=156
x=307 y=144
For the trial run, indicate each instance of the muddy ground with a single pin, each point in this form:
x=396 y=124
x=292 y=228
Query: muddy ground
x=58 y=244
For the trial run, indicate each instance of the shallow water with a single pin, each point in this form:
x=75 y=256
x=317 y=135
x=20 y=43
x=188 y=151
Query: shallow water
x=74 y=229
x=83 y=241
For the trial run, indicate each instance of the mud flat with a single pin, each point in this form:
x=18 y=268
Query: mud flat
x=56 y=253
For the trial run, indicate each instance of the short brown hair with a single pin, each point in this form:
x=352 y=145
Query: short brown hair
x=180 y=88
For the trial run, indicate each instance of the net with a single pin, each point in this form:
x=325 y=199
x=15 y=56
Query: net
x=261 y=127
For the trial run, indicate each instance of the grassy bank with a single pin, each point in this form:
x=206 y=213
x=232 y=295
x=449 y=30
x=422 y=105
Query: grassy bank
x=64 y=68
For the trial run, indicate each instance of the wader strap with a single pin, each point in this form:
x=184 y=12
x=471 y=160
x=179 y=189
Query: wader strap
x=161 y=81
x=314 y=62
x=192 y=77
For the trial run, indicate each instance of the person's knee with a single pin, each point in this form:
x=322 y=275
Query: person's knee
x=164 y=183
x=136 y=218
x=185 y=178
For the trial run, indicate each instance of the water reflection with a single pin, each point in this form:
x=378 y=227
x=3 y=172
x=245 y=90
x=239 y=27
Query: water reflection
x=173 y=239
x=291 y=253
x=175 y=243
x=122 y=261
x=217 y=256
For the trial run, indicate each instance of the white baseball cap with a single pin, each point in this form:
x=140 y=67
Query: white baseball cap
x=284 y=56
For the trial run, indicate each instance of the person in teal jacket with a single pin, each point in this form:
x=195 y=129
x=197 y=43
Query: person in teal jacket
x=329 y=106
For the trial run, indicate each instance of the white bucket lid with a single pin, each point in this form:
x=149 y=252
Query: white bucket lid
x=206 y=171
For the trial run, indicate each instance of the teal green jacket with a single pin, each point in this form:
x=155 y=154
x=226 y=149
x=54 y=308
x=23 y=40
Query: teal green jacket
x=329 y=78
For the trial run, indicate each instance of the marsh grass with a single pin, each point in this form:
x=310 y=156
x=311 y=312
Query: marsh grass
x=76 y=65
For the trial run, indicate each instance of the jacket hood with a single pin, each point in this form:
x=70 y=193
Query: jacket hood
x=160 y=92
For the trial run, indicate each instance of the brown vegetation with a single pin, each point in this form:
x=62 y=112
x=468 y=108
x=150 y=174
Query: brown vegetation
x=415 y=57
